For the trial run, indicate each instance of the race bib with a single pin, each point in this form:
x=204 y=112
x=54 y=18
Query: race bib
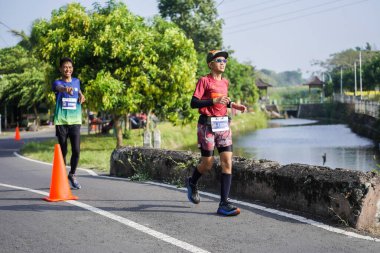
x=69 y=103
x=219 y=124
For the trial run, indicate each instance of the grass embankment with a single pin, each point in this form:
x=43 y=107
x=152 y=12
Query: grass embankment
x=96 y=149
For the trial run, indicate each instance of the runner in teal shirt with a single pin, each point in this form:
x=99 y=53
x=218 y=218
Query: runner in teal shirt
x=68 y=115
x=68 y=109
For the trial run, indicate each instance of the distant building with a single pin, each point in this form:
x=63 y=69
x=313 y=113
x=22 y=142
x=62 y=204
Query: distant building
x=315 y=82
x=263 y=88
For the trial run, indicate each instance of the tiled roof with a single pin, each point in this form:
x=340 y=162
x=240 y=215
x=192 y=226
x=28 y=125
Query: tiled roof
x=314 y=81
x=261 y=84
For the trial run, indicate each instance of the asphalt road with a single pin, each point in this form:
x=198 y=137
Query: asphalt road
x=113 y=215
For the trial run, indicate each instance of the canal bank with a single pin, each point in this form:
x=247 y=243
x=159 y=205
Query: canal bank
x=360 y=124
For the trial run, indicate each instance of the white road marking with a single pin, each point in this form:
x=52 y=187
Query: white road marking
x=242 y=203
x=122 y=220
x=282 y=213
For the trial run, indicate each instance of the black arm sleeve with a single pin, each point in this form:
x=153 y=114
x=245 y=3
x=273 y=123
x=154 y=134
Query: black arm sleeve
x=198 y=103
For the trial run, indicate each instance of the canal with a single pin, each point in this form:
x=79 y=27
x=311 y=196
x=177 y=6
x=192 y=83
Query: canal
x=307 y=141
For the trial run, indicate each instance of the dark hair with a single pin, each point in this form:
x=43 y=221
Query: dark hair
x=65 y=59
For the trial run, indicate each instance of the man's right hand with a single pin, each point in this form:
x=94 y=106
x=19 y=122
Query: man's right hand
x=69 y=90
x=224 y=100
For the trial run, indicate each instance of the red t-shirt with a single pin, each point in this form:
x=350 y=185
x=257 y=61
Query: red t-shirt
x=208 y=88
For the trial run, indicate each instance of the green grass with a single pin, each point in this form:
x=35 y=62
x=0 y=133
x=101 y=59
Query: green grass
x=96 y=149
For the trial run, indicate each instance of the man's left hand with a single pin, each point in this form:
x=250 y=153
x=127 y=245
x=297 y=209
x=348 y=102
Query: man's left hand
x=241 y=108
x=82 y=99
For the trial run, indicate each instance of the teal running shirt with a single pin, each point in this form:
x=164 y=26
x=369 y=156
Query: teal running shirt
x=68 y=110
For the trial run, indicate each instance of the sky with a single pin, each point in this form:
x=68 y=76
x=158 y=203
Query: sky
x=280 y=35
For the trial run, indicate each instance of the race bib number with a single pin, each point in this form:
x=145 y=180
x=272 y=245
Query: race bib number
x=219 y=124
x=69 y=103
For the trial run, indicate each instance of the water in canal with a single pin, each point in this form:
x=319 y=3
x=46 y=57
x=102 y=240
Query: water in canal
x=306 y=141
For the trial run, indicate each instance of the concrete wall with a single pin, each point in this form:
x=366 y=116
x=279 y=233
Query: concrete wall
x=341 y=196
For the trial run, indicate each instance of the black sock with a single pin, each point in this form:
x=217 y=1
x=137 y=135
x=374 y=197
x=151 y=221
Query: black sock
x=195 y=177
x=225 y=185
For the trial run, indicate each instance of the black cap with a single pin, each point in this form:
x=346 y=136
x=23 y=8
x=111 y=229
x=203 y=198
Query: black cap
x=216 y=53
x=65 y=59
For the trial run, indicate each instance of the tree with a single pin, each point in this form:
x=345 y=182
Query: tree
x=23 y=79
x=345 y=61
x=199 y=20
x=372 y=72
x=125 y=64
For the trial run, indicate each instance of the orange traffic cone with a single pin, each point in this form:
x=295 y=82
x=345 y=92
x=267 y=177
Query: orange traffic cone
x=59 y=187
x=17 y=134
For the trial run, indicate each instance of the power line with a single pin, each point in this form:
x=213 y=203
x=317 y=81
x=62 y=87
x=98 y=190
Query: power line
x=219 y=3
x=249 y=6
x=10 y=29
x=297 y=17
x=263 y=9
x=288 y=13
x=5 y=25
x=4 y=41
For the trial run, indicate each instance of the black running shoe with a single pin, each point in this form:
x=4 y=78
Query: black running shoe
x=227 y=209
x=192 y=192
x=74 y=182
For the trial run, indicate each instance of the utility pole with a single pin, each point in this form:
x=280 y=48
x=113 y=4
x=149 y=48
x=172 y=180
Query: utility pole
x=323 y=86
x=355 y=80
x=341 y=81
x=360 y=75
x=5 y=105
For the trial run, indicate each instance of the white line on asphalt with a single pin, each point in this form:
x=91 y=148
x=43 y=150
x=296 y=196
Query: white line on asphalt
x=242 y=203
x=283 y=214
x=91 y=172
x=125 y=221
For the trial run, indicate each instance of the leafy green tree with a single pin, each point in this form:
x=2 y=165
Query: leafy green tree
x=23 y=79
x=344 y=61
x=125 y=64
x=199 y=20
x=65 y=34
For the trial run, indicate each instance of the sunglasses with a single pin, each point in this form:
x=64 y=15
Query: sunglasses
x=220 y=60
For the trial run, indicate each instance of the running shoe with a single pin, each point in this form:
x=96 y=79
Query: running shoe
x=192 y=191
x=74 y=182
x=227 y=209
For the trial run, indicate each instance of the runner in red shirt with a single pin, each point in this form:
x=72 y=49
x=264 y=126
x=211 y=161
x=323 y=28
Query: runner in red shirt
x=211 y=97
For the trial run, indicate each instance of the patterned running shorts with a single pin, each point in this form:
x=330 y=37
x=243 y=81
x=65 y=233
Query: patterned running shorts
x=208 y=140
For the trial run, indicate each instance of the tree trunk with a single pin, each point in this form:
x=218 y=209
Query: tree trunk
x=36 y=116
x=119 y=131
x=127 y=126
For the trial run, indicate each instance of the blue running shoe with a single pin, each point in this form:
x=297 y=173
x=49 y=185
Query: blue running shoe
x=74 y=182
x=192 y=192
x=227 y=209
